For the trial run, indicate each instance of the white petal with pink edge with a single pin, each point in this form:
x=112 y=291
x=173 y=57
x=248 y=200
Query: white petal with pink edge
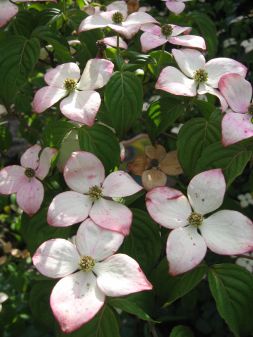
x=177 y=30
x=7 y=11
x=175 y=82
x=46 y=97
x=56 y=258
x=236 y=127
x=56 y=77
x=175 y=7
x=120 y=275
x=83 y=170
x=168 y=207
x=150 y=41
x=46 y=156
x=96 y=74
x=128 y=31
x=120 y=184
x=112 y=215
x=81 y=106
x=192 y=41
x=237 y=91
x=30 y=158
x=11 y=178
x=100 y=243
x=30 y=196
x=139 y=18
x=221 y=66
x=75 y=300
x=228 y=233
x=206 y=89
x=206 y=191
x=189 y=60
x=119 y=6
x=68 y=208
x=112 y=41
x=185 y=250
x=98 y=20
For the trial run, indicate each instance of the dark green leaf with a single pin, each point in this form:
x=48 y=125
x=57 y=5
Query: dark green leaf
x=54 y=133
x=181 y=331
x=5 y=137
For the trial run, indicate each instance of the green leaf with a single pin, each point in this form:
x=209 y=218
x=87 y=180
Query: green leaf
x=144 y=241
x=54 y=133
x=181 y=331
x=194 y=137
x=35 y=230
x=130 y=307
x=160 y=59
x=18 y=57
x=123 y=100
x=232 y=159
x=170 y=288
x=5 y=138
x=101 y=141
x=104 y=324
x=232 y=289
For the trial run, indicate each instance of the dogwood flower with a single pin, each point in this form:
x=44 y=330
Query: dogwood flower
x=8 y=9
x=237 y=123
x=91 y=195
x=3 y=297
x=116 y=17
x=156 y=36
x=89 y=272
x=25 y=180
x=81 y=102
x=176 y=6
x=198 y=77
x=224 y=232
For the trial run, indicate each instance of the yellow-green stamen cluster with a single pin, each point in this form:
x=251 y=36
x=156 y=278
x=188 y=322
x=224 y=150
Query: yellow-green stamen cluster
x=195 y=219
x=95 y=193
x=70 y=84
x=167 y=30
x=87 y=263
x=30 y=173
x=117 y=18
x=200 y=76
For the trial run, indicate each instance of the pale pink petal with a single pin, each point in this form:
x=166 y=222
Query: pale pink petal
x=112 y=215
x=56 y=77
x=83 y=170
x=7 y=11
x=75 y=300
x=11 y=178
x=56 y=258
x=228 y=233
x=120 y=184
x=96 y=74
x=206 y=89
x=30 y=158
x=120 y=275
x=139 y=18
x=46 y=156
x=100 y=243
x=30 y=196
x=118 y=6
x=189 y=60
x=98 y=20
x=237 y=91
x=152 y=28
x=81 y=106
x=236 y=127
x=175 y=7
x=175 y=82
x=112 y=41
x=218 y=67
x=206 y=191
x=185 y=249
x=68 y=208
x=46 y=97
x=150 y=41
x=178 y=30
x=192 y=41
x=168 y=207
x=128 y=31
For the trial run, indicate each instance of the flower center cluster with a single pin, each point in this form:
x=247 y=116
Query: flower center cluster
x=101 y=46
x=87 y=263
x=154 y=163
x=103 y=8
x=70 y=84
x=95 y=193
x=30 y=173
x=117 y=17
x=195 y=219
x=166 y=30
x=200 y=76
